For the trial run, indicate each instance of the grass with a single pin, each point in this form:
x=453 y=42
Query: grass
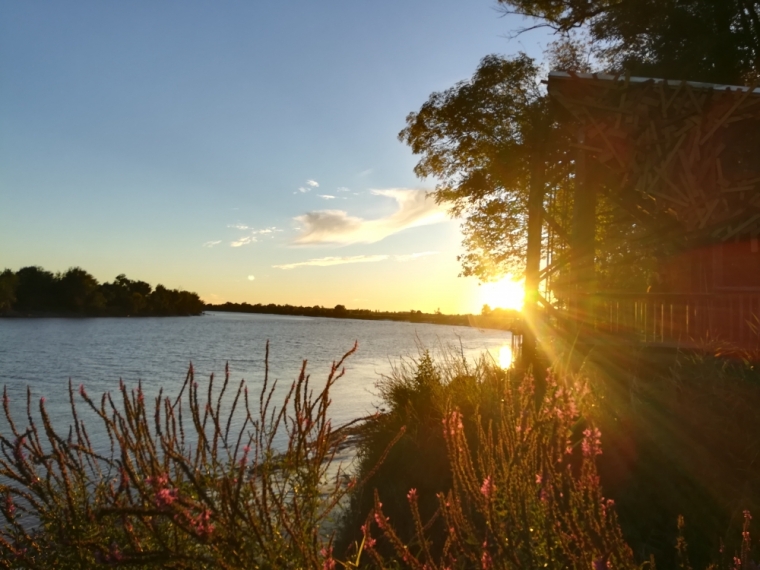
x=469 y=467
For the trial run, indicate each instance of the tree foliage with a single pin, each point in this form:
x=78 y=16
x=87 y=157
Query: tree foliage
x=34 y=290
x=703 y=40
x=486 y=139
x=8 y=285
x=478 y=139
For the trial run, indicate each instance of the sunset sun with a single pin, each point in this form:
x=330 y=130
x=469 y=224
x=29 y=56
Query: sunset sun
x=505 y=294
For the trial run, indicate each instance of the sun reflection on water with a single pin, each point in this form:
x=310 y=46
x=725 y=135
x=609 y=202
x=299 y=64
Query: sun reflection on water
x=505 y=356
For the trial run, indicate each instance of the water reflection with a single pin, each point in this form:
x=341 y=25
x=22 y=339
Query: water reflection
x=505 y=356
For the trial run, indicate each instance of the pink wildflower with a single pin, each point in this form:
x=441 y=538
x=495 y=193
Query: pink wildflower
x=485 y=560
x=246 y=451
x=600 y=563
x=454 y=423
x=412 y=495
x=10 y=507
x=329 y=563
x=369 y=542
x=592 y=442
x=539 y=478
x=487 y=488
x=202 y=524
x=608 y=504
x=165 y=497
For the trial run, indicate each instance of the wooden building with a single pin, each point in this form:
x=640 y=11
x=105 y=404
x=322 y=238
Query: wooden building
x=683 y=157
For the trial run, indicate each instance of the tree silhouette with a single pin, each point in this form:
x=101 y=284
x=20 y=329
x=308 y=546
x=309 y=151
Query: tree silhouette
x=702 y=40
x=32 y=289
x=36 y=289
x=79 y=291
x=8 y=285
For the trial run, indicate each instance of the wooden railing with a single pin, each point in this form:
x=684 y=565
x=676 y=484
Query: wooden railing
x=672 y=318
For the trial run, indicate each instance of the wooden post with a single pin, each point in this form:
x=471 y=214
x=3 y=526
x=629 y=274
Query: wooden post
x=583 y=244
x=533 y=258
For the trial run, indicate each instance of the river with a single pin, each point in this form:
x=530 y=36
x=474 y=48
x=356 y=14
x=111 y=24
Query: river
x=43 y=354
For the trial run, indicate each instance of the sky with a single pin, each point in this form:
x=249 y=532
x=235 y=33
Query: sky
x=246 y=151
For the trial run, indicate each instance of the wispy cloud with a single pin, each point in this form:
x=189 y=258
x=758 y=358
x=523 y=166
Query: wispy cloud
x=337 y=227
x=343 y=189
x=212 y=243
x=252 y=235
x=327 y=261
x=326 y=196
x=411 y=256
x=310 y=184
x=245 y=240
x=266 y=231
x=364 y=173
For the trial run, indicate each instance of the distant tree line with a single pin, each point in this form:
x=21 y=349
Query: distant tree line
x=33 y=290
x=499 y=318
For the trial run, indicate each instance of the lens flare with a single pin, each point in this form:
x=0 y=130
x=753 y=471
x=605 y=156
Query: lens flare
x=505 y=294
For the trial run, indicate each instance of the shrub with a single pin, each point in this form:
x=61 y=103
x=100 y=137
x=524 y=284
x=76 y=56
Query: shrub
x=518 y=486
x=682 y=435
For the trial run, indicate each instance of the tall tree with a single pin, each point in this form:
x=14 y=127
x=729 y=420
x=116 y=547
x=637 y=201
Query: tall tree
x=79 y=291
x=479 y=139
x=486 y=141
x=8 y=285
x=702 y=40
x=36 y=289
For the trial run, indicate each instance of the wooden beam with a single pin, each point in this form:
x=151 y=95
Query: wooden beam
x=533 y=254
x=556 y=228
x=583 y=244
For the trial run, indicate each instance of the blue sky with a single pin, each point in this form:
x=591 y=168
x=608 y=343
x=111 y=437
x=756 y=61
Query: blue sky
x=243 y=150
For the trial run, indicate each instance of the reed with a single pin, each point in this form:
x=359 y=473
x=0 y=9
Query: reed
x=180 y=487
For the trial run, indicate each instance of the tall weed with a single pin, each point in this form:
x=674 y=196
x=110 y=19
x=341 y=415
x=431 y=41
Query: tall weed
x=514 y=483
x=180 y=488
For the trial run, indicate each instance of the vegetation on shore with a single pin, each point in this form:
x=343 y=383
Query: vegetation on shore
x=35 y=291
x=472 y=466
x=505 y=319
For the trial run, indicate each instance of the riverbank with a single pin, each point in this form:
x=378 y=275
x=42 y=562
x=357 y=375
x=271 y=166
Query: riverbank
x=85 y=315
x=499 y=319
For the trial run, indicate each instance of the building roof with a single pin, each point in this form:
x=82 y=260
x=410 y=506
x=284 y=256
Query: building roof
x=621 y=79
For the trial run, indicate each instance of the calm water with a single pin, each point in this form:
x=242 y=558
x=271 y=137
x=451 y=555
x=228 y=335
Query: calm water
x=44 y=353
